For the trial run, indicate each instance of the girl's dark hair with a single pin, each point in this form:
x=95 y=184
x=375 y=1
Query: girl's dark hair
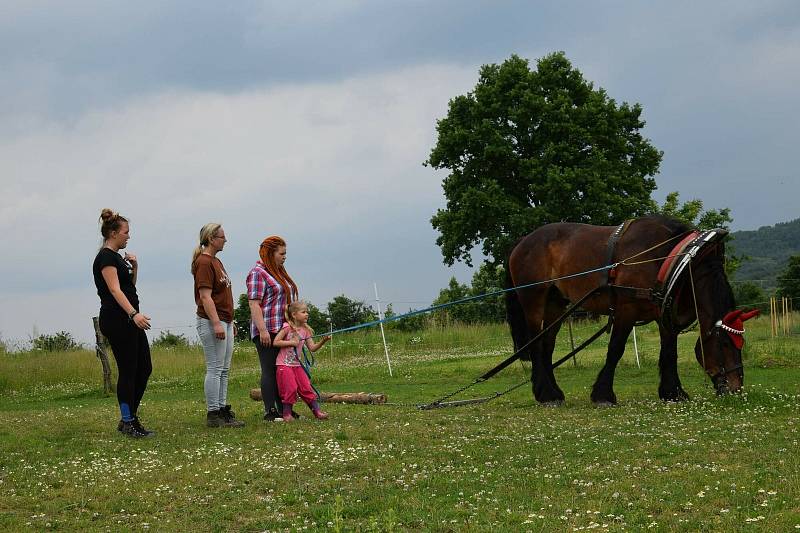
x=110 y=221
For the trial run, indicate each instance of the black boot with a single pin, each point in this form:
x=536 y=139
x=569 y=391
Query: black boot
x=147 y=433
x=230 y=419
x=273 y=416
x=214 y=419
x=130 y=430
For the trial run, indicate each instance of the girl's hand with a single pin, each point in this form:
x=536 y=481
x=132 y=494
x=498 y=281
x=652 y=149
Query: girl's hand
x=142 y=321
x=326 y=338
x=219 y=331
x=299 y=341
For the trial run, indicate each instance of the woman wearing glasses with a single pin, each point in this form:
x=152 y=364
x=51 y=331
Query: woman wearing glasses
x=212 y=293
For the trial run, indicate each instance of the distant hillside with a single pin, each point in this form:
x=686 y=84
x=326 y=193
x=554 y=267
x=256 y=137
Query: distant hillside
x=767 y=249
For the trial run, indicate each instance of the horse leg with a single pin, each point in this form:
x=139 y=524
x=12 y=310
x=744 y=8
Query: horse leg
x=545 y=388
x=548 y=391
x=603 y=389
x=669 y=388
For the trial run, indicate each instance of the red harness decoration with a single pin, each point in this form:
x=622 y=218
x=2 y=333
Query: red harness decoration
x=666 y=266
x=733 y=325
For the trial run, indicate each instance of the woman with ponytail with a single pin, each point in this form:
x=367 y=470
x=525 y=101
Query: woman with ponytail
x=214 y=299
x=269 y=290
x=120 y=320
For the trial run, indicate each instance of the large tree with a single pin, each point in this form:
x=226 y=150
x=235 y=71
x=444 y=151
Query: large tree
x=528 y=147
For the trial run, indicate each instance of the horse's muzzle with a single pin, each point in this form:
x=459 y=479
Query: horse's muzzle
x=730 y=385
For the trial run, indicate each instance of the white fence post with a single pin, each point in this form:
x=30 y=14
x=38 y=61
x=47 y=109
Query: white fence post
x=383 y=335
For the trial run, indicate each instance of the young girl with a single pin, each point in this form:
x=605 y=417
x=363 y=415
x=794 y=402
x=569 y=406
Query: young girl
x=292 y=379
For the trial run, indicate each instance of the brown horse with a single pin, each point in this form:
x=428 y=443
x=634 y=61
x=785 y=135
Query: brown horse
x=561 y=249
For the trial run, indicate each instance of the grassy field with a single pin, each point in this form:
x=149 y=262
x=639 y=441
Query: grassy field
x=712 y=464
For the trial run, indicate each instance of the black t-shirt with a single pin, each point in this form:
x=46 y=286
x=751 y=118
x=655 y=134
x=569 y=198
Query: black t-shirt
x=107 y=257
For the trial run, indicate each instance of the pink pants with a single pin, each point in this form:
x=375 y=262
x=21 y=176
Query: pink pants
x=293 y=381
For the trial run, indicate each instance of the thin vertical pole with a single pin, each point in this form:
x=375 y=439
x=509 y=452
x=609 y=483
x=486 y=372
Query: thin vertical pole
x=571 y=340
x=772 y=312
x=330 y=324
x=383 y=335
x=636 y=348
x=785 y=316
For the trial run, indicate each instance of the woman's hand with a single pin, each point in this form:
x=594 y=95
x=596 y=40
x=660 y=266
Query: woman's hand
x=264 y=339
x=130 y=258
x=142 y=321
x=219 y=331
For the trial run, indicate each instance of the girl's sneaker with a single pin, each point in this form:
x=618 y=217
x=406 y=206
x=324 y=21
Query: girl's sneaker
x=320 y=415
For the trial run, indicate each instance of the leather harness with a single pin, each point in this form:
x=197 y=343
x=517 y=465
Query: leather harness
x=664 y=294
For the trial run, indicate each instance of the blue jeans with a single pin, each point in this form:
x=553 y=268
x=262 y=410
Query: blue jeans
x=218 y=354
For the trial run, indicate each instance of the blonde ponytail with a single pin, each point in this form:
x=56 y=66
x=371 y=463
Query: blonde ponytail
x=206 y=234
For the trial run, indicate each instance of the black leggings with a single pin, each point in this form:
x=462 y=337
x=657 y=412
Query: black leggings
x=269 y=385
x=132 y=353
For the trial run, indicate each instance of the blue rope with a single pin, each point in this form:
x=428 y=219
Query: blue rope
x=306 y=363
x=461 y=301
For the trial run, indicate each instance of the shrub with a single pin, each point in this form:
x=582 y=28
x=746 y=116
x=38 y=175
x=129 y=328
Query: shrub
x=346 y=313
x=242 y=317
x=167 y=339
x=57 y=342
x=749 y=294
x=412 y=323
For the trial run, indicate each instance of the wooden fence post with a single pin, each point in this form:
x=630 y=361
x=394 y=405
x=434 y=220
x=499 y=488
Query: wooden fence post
x=100 y=351
x=772 y=318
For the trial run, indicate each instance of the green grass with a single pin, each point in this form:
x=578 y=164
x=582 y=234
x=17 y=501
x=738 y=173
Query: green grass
x=710 y=464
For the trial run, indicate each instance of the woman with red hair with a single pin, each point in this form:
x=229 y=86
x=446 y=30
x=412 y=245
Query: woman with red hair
x=269 y=290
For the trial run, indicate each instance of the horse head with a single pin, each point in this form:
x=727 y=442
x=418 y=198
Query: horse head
x=719 y=347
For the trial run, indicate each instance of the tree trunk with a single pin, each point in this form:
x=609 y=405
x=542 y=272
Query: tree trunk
x=100 y=351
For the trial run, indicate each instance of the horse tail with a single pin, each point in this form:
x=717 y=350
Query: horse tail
x=515 y=315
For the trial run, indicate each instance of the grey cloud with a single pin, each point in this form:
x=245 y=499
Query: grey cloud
x=185 y=105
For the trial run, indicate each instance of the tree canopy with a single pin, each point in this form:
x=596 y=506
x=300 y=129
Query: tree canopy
x=345 y=313
x=692 y=213
x=528 y=147
x=789 y=280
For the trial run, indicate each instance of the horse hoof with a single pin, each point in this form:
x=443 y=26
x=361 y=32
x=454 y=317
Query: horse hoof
x=604 y=403
x=552 y=403
x=676 y=397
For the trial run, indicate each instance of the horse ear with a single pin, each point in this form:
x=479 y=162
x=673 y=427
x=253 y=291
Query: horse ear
x=730 y=317
x=750 y=314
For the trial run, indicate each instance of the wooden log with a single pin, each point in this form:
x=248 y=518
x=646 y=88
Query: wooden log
x=338 y=397
x=100 y=352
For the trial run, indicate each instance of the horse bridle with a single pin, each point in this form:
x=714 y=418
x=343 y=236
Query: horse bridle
x=723 y=372
x=718 y=328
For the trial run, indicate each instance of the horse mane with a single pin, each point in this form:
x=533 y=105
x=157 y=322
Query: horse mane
x=673 y=225
x=722 y=293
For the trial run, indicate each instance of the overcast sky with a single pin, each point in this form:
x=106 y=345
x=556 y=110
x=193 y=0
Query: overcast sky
x=311 y=120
